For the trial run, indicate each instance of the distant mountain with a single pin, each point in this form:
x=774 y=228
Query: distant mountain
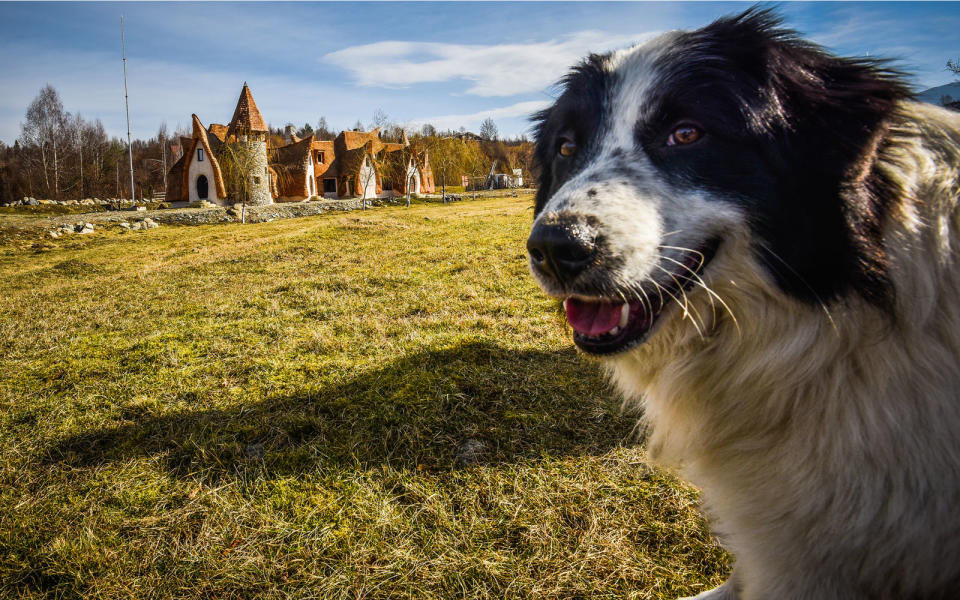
x=934 y=94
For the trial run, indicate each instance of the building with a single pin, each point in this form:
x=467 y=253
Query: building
x=230 y=163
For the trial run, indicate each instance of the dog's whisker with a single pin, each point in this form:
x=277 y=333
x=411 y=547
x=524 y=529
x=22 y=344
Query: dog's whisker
x=689 y=310
x=698 y=280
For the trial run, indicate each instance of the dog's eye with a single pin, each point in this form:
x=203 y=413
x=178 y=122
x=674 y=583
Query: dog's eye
x=684 y=134
x=567 y=147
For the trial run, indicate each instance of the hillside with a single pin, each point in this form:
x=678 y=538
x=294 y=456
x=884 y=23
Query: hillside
x=934 y=94
x=362 y=405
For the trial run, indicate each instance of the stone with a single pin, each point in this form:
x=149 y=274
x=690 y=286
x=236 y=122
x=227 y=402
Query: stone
x=32 y=202
x=149 y=223
x=54 y=234
x=124 y=224
x=470 y=452
x=140 y=208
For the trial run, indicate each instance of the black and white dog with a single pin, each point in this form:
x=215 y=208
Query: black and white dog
x=762 y=242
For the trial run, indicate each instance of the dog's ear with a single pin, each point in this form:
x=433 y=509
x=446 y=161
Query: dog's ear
x=825 y=120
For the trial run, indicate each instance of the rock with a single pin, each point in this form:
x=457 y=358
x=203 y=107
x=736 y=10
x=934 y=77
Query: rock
x=32 y=202
x=140 y=208
x=86 y=228
x=124 y=224
x=254 y=451
x=87 y=202
x=54 y=234
x=470 y=452
x=149 y=223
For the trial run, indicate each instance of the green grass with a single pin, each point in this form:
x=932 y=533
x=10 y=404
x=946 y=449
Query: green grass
x=283 y=410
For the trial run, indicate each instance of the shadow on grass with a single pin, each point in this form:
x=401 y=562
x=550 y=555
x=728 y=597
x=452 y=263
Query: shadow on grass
x=472 y=404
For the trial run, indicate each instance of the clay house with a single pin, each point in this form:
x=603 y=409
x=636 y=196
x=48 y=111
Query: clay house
x=229 y=163
x=230 y=156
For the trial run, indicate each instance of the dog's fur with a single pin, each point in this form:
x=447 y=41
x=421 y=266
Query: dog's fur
x=809 y=382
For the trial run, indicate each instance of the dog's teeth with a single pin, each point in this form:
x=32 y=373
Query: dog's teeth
x=614 y=331
x=624 y=315
x=565 y=304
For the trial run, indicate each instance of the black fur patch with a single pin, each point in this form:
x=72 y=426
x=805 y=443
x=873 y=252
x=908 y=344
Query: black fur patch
x=792 y=135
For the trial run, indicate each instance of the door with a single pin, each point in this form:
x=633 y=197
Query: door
x=202 y=187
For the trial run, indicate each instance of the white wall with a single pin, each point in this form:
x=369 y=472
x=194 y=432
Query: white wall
x=369 y=177
x=312 y=180
x=413 y=173
x=198 y=168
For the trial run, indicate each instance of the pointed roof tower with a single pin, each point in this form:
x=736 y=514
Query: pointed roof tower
x=246 y=117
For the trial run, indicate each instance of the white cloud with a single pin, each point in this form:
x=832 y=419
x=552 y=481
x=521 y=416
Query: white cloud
x=472 y=120
x=493 y=70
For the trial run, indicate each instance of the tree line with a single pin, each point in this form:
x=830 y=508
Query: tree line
x=62 y=156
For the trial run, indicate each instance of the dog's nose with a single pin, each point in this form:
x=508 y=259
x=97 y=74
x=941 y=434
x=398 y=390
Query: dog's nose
x=562 y=250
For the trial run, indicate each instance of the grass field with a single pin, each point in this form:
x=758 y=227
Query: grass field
x=360 y=405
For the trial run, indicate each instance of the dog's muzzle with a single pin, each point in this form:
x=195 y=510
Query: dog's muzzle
x=562 y=247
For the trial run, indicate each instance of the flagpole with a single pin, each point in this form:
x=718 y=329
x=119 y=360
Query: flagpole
x=126 y=99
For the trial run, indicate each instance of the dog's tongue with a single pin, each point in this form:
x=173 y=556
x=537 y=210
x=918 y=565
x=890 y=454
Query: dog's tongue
x=592 y=318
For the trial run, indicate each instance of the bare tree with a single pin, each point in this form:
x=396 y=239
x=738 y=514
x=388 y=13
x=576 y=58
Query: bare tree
x=238 y=165
x=323 y=131
x=954 y=66
x=380 y=118
x=43 y=127
x=488 y=130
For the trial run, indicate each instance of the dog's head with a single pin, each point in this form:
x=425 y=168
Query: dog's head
x=735 y=143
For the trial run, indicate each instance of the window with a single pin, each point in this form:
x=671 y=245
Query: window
x=387 y=185
x=329 y=185
x=256 y=180
x=320 y=156
x=199 y=154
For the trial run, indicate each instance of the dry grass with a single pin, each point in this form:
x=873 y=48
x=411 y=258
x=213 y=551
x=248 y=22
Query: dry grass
x=375 y=405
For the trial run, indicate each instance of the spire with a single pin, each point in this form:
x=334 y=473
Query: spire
x=246 y=117
x=198 y=128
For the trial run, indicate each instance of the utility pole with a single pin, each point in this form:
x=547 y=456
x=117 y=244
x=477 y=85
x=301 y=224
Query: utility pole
x=126 y=99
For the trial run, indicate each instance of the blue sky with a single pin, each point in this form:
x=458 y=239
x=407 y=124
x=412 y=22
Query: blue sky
x=450 y=64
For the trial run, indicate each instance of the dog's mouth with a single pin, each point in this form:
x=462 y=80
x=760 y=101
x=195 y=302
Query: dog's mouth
x=605 y=325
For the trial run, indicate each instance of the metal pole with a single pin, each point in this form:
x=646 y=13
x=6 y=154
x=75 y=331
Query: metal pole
x=126 y=99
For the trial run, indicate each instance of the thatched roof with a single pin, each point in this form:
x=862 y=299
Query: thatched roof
x=246 y=117
x=328 y=166
x=291 y=163
x=218 y=130
x=351 y=140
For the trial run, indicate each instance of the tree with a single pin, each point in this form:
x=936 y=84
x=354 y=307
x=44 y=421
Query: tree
x=380 y=118
x=43 y=127
x=323 y=131
x=238 y=164
x=305 y=131
x=488 y=130
x=954 y=66
x=428 y=130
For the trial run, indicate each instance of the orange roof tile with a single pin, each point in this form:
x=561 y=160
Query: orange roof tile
x=247 y=116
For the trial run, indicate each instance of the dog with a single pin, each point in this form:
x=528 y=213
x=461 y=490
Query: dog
x=760 y=240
